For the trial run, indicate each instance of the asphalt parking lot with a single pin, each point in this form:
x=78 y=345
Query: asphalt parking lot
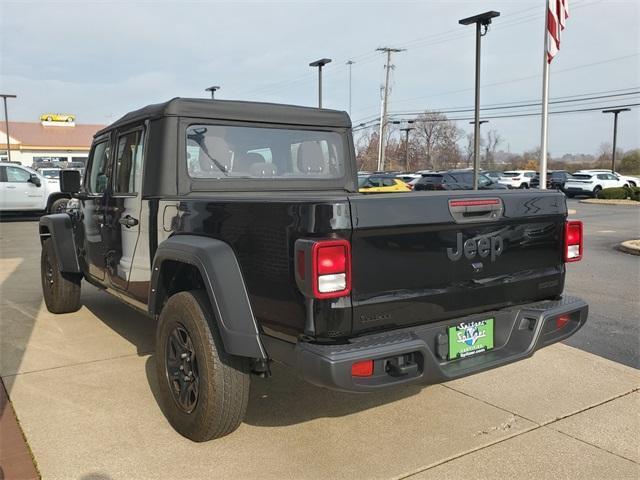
x=83 y=388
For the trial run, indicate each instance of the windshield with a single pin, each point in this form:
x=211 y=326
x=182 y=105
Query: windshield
x=215 y=151
x=50 y=173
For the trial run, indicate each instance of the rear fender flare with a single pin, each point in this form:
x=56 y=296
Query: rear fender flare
x=59 y=228
x=223 y=281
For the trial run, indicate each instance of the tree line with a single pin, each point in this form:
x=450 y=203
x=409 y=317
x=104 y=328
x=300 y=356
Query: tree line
x=436 y=143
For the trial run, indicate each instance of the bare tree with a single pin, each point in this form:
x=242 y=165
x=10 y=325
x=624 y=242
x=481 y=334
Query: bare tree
x=493 y=140
x=438 y=137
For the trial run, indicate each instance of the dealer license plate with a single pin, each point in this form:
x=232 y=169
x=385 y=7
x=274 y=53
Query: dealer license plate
x=470 y=338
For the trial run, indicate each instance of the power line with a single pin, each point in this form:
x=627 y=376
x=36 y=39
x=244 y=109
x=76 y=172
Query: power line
x=513 y=115
x=520 y=103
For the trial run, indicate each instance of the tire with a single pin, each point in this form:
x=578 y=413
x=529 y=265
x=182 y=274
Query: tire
x=59 y=206
x=215 y=392
x=596 y=190
x=61 y=290
x=524 y=185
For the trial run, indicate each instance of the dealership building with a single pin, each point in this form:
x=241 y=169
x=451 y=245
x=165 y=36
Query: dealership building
x=36 y=142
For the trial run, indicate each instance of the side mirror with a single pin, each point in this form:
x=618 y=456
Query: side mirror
x=69 y=181
x=35 y=180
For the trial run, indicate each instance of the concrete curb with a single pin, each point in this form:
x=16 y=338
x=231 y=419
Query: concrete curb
x=602 y=201
x=630 y=246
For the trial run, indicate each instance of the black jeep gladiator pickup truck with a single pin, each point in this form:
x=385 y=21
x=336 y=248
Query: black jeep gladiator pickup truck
x=238 y=226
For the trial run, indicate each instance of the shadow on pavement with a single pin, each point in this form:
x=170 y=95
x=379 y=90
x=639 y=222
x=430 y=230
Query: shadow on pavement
x=284 y=399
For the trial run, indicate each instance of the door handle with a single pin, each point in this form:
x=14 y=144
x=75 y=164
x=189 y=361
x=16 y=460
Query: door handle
x=12 y=187
x=128 y=221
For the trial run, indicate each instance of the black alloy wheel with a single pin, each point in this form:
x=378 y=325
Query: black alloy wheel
x=182 y=369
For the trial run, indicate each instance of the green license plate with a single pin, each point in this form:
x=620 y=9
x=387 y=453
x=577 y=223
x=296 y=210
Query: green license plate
x=470 y=338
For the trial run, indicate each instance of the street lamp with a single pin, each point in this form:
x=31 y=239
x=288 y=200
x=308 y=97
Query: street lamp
x=320 y=63
x=481 y=21
x=473 y=123
x=350 y=63
x=6 y=121
x=406 y=130
x=615 y=112
x=213 y=90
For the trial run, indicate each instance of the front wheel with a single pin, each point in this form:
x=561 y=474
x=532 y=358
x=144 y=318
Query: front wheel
x=204 y=391
x=524 y=185
x=596 y=191
x=61 y=290
x=59 y=206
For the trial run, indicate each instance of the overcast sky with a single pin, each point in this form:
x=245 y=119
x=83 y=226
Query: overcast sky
x=100 y=59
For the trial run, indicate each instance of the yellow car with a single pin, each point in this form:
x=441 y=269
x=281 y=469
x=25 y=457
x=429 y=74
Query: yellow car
x=381 y=184
x=57 y=117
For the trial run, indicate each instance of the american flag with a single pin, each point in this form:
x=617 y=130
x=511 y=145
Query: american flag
x=557 y=15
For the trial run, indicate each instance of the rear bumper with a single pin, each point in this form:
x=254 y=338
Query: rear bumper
x=518 y=332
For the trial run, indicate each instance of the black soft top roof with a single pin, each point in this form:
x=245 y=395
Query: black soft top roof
x=236 y=110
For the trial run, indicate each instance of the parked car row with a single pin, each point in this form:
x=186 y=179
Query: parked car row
x=583 y=182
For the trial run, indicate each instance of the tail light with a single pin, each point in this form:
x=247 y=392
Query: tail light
x=573 y=241
x=323 y=268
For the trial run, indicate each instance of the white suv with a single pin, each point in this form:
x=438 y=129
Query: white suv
x=517 y=178
x=591 y=183
x=631 y=181
x=24 y=189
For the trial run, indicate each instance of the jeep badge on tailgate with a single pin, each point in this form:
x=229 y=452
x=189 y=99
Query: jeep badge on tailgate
x=482 y=246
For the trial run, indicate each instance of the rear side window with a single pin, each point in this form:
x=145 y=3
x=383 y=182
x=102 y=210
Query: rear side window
x=128 y=164
x=98 y=174
x=582 y=176
x=215 y=151
x=388 y=182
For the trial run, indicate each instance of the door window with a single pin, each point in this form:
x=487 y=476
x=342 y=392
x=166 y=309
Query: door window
x=16 y=174
x=98 y=175
x=128 y=173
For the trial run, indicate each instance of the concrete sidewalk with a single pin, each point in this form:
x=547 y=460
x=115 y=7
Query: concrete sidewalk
x=83 y=388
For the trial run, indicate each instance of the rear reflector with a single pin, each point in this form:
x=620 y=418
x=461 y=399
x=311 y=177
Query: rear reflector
x=362 y=369
x=573 y=241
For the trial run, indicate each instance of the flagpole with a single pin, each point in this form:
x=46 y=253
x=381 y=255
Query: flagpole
x=545 y=102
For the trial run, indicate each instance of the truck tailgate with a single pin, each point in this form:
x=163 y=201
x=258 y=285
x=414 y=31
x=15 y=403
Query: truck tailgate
x=424 y=257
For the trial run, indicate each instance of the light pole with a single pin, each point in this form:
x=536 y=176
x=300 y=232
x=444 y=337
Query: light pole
x=482 y=20
x=213 y=90
x=320 y=63
x=406 y=131
x=350 y=63
x=615 y=112
x=6 y=121
x=472 y=122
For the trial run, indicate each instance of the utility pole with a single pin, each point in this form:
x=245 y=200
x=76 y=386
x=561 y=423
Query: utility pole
x=615 y=112
x=481 y=21
x=320 y=63
x=406 y=130
x=385 y=97
x=212 y=90
x=6 y=121
x=350 y=63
